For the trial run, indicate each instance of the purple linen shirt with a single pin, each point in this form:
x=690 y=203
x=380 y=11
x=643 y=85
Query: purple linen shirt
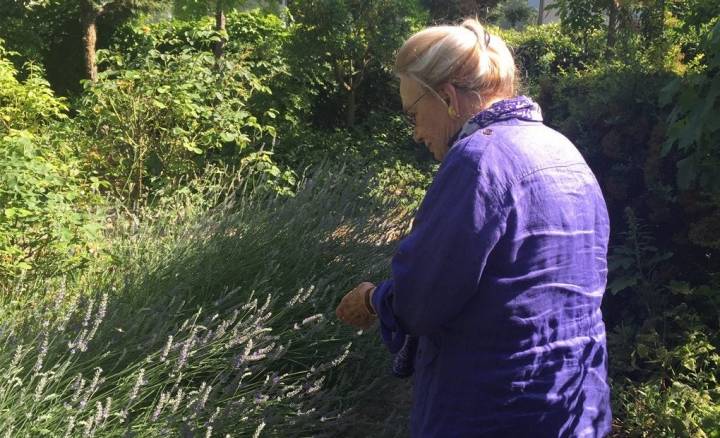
x=501 y=278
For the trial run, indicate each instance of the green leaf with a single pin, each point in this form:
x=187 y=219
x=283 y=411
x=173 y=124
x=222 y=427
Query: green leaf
x=616 y=262
x=659 y=258
x=687 y=172
x=228 y=137
x=622 y=282
x=668 y=92
x=192 y=147
x=156 y=103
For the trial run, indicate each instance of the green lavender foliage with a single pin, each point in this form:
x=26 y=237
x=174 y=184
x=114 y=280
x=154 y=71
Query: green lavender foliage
x=198 y=320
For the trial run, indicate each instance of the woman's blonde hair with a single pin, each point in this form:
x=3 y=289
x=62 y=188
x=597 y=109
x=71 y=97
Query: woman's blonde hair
x=465 y=55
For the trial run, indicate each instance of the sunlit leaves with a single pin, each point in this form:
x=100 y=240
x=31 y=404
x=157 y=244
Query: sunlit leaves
x=694 y=123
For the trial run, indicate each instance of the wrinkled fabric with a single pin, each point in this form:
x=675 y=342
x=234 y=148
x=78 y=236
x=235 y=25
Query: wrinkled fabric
x=501 y=280
x=403 y=363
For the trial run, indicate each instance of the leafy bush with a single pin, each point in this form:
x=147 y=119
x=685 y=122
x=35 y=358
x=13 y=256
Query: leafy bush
x=664 y=359
x=45 y=223
x=513 y=14
x=695 y=119
x=655 y=410
x=633 y=263
x=380 y=151
x=542 y=52
x=151 y=126
x=661 y=305
x=29 y=104
x=164 y=107
x=611 y=113
x=665 y=371
x=255 y=39
x=341 y=54
x=256 y=36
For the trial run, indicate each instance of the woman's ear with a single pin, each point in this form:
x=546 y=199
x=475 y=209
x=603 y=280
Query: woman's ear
x=448 y=92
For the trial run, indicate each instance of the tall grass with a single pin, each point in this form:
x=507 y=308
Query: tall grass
x=206 y=322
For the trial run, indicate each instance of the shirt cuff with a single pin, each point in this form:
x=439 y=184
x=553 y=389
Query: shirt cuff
x=392 y=334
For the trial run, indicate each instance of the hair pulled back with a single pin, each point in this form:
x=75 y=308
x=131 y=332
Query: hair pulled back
x=465 y=55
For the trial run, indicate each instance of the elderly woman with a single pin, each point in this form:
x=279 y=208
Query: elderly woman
x=502 y=276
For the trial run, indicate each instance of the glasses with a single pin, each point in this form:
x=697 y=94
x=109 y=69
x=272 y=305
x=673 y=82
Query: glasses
x=409 y=117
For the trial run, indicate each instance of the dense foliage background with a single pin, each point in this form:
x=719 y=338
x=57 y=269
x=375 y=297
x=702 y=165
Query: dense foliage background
x=188 y=187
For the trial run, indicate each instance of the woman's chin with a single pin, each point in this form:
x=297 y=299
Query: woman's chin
x=438 y=154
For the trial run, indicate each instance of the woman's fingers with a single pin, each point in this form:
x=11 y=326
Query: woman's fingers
x=352 y=309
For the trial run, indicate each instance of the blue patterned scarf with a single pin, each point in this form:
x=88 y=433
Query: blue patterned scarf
x=520 y=108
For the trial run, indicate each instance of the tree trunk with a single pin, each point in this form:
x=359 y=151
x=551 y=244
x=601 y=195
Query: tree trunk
x=89 y=20
x=352 y=105
x=612 y=28
x=541 y=12
x=469 y=8
x=219 y=47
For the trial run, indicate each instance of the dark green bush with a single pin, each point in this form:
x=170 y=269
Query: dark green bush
x=544 y=51
x=380 y=149
x=341 y=54
x=148 y=127
x=663 y=342
x=694 y=124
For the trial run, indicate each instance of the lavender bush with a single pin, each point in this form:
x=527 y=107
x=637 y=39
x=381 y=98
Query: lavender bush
x=208 y=322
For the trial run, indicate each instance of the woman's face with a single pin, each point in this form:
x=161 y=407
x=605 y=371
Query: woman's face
x=433 y=125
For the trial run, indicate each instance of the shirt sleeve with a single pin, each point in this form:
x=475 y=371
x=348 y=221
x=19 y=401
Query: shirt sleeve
x=438 y=267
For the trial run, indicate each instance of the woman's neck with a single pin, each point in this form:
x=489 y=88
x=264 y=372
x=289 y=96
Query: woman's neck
x=476 y=105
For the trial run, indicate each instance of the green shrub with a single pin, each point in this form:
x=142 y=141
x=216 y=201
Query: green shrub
x=255 y=39
x=680 y=396
x=164 y=108
x=46 y=225
x=256 y=36
x=663 y=347
x=661 y=305
x=341 y=54
x=544 y=51
x=655 y=410
x=149 y=127
x=694 y=123
x=612 y=115
x=28 y=104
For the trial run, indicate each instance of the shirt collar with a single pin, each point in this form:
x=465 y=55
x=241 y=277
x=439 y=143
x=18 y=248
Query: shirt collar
x=520 y=107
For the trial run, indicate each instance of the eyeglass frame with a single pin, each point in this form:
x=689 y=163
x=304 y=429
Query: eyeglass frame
x=410 y=118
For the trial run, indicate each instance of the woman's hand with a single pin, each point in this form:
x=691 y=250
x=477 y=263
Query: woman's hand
x=353 y=310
